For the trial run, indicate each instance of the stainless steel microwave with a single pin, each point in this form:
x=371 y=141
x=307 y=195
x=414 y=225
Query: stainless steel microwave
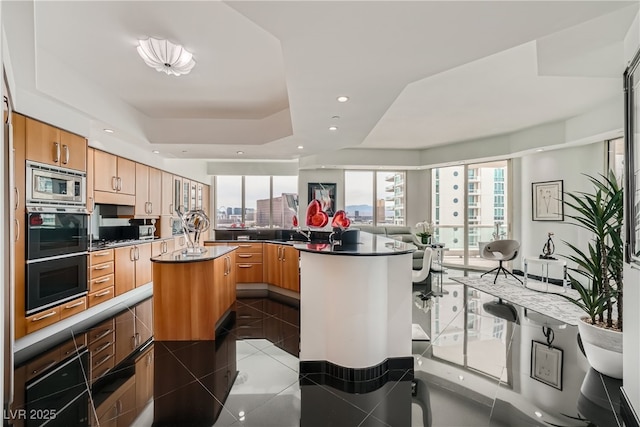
x=52 y=186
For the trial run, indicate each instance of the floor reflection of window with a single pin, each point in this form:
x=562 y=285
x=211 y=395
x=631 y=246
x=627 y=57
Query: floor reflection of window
x=471 y=338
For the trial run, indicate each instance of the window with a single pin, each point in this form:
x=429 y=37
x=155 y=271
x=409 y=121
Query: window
x=375 y=197
x=485 y=209
x=254 y=201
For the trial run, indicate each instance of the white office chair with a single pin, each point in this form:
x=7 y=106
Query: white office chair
x=501 y=250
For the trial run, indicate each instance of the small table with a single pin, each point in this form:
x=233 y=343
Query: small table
x=544 y=262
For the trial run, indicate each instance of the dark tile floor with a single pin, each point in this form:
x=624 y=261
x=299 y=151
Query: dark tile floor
x=475 y=370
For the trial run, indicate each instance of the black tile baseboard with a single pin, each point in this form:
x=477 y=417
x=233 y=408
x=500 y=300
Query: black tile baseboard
x=356 y=380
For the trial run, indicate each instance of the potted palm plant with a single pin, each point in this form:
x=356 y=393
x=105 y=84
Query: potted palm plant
x=598 y=275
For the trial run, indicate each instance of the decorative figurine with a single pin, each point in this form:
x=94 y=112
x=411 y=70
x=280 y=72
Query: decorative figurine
x=549 y=248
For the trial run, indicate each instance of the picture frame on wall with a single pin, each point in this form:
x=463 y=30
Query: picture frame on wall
x=547 y=201
x=325 y=193
x=546 y=364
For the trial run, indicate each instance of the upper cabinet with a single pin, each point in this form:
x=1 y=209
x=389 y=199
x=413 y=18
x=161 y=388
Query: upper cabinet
x=167 y=200
x=148 y=191
x=52 y=146
x=114 y=180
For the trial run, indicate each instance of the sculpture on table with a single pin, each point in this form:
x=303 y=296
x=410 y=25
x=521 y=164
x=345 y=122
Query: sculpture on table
x=549 y=248
x=194 y=222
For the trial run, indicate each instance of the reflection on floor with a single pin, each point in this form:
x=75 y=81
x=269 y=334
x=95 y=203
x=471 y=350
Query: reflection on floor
x=476 y=370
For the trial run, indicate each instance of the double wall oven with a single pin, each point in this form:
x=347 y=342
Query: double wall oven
x=57 y=236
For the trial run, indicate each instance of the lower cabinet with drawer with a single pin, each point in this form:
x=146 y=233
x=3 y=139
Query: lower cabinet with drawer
x=101 y=342
x=101 y=277
x=55 y=314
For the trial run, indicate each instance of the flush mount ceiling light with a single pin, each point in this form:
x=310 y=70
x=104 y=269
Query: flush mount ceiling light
x=165 y=56
x=108 y=130
x=342 y=98
x=333 y=127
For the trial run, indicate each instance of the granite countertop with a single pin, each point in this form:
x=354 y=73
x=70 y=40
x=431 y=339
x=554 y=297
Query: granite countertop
x=368 y=245
x=211 y=252
x=120 y=244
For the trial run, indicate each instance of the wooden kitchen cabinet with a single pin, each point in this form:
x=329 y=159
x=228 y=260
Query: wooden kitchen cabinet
x=132 y=267
x=224 y=283
x=167 y=199
x=133 y=327
x=206 y=200
x=148 y=191
x=281 y=266
x=19 y=230
x=91 y=201
x=160 y=247
x=144 y=378
x=119 y=409
x=186 y=195
x=52 y=146
x=114 y=179
x=249 y=265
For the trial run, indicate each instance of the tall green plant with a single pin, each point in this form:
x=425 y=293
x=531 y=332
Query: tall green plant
x=601 y=264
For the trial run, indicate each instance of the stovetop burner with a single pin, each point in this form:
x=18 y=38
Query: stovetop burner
x=106 y=244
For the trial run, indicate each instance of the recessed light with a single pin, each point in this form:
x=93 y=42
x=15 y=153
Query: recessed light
x=239 y=152
x=184 y=151
x=323 y=166
x=108 y=130
x=155 y=152
x=333 y=127
x=538 y=414
x=342 y=98
x=461 y=378
x=540 y=149
x=300 y=147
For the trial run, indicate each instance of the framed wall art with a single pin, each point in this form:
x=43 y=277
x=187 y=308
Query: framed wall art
x=546 y=364
x=547 y=204
x=325 y=193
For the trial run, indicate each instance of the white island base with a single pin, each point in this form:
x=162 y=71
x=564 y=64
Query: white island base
x=355 y=312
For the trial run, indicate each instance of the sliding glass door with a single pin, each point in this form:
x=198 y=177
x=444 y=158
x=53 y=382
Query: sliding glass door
x=469 y=207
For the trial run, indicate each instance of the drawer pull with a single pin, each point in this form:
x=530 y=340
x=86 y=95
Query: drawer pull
x=245 y=246
x=101 y=254
x=35 y=319
x=101 y=361
x=245 y=255
x=102 y=267
x=102 y=334
x=245 y=265
x=102 y=347
x=44 y=368
x=79 y=303
x=102 y=280
x=103 y=293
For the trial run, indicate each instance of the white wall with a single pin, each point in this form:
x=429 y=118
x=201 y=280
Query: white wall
x=567 y=165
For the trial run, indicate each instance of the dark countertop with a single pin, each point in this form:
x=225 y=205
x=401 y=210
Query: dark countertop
x=368 y=245
x=120 y=244
x=211 y=252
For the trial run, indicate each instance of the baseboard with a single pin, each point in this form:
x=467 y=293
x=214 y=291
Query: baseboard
x=629 y=415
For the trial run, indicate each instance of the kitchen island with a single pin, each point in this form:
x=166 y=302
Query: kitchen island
x=192 y=293
x=355 y=308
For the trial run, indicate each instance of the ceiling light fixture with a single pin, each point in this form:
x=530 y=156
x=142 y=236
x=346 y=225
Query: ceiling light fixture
x=108 y=130
x=239 y=152
x=300 y=147
x=165 y=56
x=538 y=414
x=540 y=149
x=333 y=127
x=342 y=98
x=155 y=152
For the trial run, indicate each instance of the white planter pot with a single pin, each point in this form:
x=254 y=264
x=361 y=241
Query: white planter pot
x=603 y=348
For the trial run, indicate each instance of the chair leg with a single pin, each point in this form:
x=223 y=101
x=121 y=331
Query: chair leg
x=490 y=271
x=500 y=269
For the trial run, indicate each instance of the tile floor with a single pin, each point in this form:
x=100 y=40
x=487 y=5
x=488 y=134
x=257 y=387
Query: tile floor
x=474 y=371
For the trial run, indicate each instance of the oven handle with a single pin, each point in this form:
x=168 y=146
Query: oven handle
x=51 y=258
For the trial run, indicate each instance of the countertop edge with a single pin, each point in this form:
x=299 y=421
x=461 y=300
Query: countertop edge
x=218 y=251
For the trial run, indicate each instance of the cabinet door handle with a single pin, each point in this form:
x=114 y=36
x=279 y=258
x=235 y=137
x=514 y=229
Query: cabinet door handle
x=35 y=319
x=245 y=265
x=44 y=368
x=102 y=267
x=16 y=191
x=101 y=361
x=283 y=254
x=103 y=293
x=65 y=147
x=279 y=253
x=102 y=334
x=119 y=184
x=114 y=183
x=17 y=224
x=137 y=253
x=150 y=207
x=132 y=255
x=245 y=246
x=106 y=279
x=93 y=203
x=245 y=255
x=79 y=303
x=100 y=254
x=102 y=347
x=56 y=157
